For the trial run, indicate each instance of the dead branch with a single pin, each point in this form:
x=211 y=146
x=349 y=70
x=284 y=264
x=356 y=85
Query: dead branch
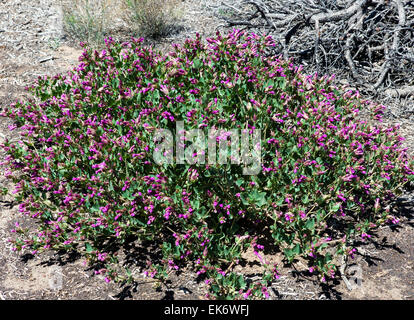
x=338 y=15
x=401 y=92
x=369 y=43
x=395 y=43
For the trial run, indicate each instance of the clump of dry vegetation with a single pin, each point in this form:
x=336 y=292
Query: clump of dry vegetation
x=369 y=42
x=153 y=18
x=92 y=20
x=86 y=20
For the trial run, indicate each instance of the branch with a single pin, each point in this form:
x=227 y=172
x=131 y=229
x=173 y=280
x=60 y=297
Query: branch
x=338 y=15
x=401 y=93
x=395 y=43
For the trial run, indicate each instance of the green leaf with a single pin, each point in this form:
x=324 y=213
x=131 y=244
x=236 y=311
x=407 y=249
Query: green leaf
x=244 y=200
x=88 y=248
x=292 y=253
x=335 y=207
x=328 y=258
x=310 y=224
x=296 y=249
x=258 y=198
x=197 y=63
x=241 y=282
x=215 y=288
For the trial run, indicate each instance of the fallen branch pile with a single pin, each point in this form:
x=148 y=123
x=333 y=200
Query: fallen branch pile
x=369 y=43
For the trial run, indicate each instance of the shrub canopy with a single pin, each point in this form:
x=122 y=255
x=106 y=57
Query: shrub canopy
x=85 y=167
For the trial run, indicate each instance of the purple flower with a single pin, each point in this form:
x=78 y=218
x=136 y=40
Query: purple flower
x=364 y=236
x=247 y=294
x=349 y=177
x=104 y=209
x=168 y=212
x=101 y=166
x=341 y=196
x=265 y=292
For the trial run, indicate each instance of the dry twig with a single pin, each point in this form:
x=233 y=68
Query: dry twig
x=368 y=42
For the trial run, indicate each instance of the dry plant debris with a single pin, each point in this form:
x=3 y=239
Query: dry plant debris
x=367 y=41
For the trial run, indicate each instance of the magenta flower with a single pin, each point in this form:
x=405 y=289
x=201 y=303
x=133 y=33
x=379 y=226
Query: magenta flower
x=104 y=209
x=341 y=196
x=365 y=236
x=150 y=220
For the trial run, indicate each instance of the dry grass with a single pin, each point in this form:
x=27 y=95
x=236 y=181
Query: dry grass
x=86 y=20
x=153 y=18
x=92 y=20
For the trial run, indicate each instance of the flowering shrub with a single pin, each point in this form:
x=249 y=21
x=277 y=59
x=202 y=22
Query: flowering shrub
x=85 y=169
